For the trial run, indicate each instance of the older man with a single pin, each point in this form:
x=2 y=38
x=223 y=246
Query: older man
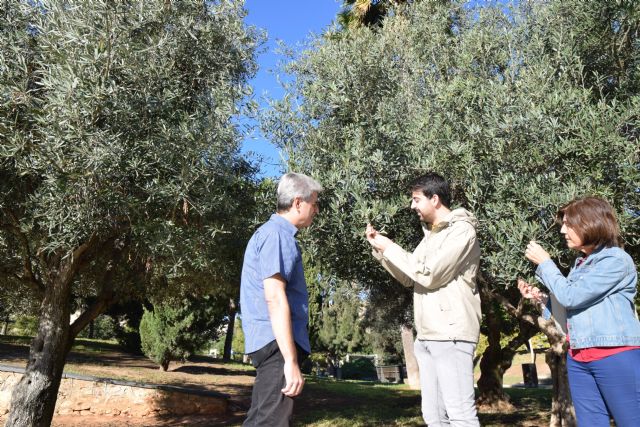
x=442 y=272
x=274 y=302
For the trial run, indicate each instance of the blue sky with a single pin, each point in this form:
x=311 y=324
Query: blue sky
x=292 y=22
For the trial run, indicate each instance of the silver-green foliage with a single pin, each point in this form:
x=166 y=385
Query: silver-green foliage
x=493 y=100
x=116 y=126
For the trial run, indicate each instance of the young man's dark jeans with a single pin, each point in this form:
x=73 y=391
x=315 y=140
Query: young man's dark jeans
x=269 y=407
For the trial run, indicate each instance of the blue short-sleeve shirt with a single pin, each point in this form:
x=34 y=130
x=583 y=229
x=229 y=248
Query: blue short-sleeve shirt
x=273 y=249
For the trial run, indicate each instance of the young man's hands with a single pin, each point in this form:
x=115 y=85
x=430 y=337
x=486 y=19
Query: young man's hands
x=377 y=240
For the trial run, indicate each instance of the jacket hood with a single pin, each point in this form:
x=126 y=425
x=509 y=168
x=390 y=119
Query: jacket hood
x=461 y=214
x=456 y=215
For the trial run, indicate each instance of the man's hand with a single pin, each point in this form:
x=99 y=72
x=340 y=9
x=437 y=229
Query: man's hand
x=280 y=315
x=377 y=240
x=294 y=379
x=536 y=254
x=371 y=233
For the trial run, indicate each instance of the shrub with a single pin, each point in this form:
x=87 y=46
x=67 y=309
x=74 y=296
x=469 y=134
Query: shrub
x=306 y=367
x=129 y=339
x=25 y=326
x=359 y=369
x=104 y=328
x=158 y=334
x=175 y=331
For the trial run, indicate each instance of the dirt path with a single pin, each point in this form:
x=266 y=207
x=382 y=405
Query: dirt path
x=98 y=421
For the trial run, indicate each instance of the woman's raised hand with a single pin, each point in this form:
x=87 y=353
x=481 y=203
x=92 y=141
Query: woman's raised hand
x=535 y=253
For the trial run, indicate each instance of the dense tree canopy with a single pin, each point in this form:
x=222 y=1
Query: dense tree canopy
x=119 y=162
x=506 y=102
x=119 y=124
x=341 y=328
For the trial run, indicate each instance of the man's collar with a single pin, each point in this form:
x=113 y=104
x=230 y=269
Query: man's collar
x=284 y=223
x=435 y=228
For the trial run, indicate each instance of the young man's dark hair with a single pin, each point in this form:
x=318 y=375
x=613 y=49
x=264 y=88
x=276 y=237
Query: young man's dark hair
x=432 y=183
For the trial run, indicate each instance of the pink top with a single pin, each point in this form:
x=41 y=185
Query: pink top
x=591 y=354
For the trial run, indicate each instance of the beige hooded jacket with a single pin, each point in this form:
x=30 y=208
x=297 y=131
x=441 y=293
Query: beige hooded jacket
x=442 y=271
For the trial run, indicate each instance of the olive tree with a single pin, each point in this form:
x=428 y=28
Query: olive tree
x=495 y=100
x=119 y=162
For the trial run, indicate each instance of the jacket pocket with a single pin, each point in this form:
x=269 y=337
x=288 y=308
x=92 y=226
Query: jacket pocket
x=443 y=302
x=448 y=315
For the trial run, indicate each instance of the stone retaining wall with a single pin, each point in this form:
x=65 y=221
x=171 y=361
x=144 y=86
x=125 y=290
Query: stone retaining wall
x=98 y=396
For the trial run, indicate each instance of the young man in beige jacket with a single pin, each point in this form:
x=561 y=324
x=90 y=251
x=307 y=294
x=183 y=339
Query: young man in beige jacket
x=442 y=272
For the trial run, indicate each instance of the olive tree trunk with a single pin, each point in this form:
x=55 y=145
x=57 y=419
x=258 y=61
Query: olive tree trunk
x=490 y=391
x=562 y=412
x=34 y=397
x=497 y=359
x=228 y=340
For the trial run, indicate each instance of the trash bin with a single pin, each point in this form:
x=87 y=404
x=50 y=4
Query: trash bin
x=530 y=375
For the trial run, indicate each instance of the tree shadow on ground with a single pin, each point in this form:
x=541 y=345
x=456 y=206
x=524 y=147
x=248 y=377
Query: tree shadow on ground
x=532 y=409
x=135 y=368
x=14 y=353
x=111 y=359
x=210 y=370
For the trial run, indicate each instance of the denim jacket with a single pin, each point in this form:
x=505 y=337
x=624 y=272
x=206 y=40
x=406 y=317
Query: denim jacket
x=598 y=297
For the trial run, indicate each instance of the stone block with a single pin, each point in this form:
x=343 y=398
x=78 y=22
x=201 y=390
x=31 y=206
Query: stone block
x=64 y=411
x=89 y=397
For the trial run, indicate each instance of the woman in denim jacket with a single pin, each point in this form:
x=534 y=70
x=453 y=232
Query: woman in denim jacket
x=603 y=361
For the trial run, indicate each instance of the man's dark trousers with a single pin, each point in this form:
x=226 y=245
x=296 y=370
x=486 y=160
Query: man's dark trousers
x=269 y=406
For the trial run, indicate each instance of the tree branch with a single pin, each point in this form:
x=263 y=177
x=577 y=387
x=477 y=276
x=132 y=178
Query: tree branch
x=106 y=298
x=486 y=289
x=35 y=285
x=28 y=274
x=75 y=259
x=107 y=295
x=548 y=327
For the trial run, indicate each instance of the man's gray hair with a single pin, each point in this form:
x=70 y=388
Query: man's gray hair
x=292 y=185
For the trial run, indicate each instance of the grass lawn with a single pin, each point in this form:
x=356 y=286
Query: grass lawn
x=330 y=403
x=357 y=403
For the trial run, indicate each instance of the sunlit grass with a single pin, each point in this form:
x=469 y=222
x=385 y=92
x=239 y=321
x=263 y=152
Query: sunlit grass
x=330 y=403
